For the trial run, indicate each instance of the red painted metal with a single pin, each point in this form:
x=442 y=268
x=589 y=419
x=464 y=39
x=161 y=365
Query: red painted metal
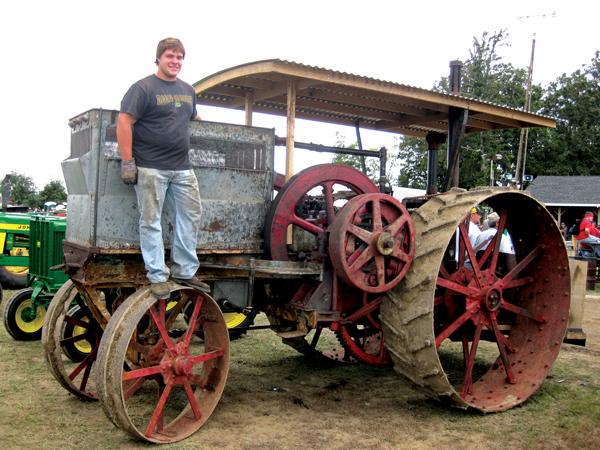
x=307 y=201
x=476 y=295
x=175 y=364
x=372 y=242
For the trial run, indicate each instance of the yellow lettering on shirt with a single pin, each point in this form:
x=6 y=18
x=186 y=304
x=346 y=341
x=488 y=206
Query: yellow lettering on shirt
x=177 y=100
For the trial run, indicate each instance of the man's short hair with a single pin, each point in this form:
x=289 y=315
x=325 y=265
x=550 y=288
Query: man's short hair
x=169 y=43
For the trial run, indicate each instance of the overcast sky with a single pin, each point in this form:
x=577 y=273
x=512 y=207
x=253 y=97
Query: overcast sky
x=65 y=57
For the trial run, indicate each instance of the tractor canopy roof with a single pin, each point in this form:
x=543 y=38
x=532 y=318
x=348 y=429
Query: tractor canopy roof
x=336 y=97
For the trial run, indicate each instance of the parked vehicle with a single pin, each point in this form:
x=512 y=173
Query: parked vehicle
x=397 y=283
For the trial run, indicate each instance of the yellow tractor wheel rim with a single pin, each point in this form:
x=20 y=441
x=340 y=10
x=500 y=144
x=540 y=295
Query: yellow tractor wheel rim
x=33 y=326
x=233 y=319
x=17 y=270
x=83 y=346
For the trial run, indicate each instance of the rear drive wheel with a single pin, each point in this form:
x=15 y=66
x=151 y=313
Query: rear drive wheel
x=467 y=328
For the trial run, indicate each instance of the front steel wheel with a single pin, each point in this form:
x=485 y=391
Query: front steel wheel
x=157 y=379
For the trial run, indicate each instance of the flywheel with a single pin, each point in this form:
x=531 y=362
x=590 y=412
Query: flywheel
x=480 y=329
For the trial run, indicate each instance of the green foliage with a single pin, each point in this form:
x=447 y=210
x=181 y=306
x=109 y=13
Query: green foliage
x=573 y=147
x=53 y=191
x=23 y=190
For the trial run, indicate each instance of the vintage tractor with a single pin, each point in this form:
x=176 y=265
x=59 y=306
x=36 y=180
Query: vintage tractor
x=25 y=309
x=397 y=283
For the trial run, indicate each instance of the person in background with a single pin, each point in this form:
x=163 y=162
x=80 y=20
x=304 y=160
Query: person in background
x=563 y=230
x=506 y=249
x=154 y=140
x=474 y=229
x=589 y=236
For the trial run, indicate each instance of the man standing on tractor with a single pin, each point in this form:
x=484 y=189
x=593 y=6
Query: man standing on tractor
x=153 y=138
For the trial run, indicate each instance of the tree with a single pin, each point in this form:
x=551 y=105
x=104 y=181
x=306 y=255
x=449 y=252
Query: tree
x=53 y=191
x=485 y=76
x=23 y=190
x=573 y=148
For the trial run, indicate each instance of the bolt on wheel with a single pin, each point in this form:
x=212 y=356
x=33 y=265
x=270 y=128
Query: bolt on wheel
x=157 y=380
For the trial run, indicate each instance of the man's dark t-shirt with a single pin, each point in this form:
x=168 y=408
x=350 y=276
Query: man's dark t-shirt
x=162 y=110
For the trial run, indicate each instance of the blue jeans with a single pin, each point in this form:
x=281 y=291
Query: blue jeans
x=179 y=190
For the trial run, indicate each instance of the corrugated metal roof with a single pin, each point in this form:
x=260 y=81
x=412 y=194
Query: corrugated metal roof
x=337 y=97
x=567 y=190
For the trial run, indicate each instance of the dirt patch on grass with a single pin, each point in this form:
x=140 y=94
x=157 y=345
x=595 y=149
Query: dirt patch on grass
x=278 y=399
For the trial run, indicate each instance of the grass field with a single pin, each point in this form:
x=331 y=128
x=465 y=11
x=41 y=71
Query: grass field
x=275 y=398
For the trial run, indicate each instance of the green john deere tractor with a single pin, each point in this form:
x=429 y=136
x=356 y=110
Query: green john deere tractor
x=24 y=312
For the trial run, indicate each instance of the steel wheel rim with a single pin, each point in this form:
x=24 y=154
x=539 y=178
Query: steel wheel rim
x=123 y=377
x=76 y=378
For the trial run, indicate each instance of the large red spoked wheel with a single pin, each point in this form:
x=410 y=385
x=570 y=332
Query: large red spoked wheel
x=157 y=379
x=371 y=242
x=72 y=369
x=307 y=202
x=480 y=329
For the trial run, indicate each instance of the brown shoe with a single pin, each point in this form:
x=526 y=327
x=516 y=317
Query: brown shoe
x=160 y=290
x=193 y=282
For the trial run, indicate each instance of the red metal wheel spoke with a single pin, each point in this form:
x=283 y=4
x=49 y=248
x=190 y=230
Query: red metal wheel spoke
x=456 y=287
x=464 y=234
x=328 y=191
x=439 y=300
x=517 y=283
x=380 y=267
x=367 y=309
x=446 y=332
x=89 y=359
x=305 y=224
x=159 y=321
x=192 y=322
x=73 y=339
x=141 y=373
x=192 y=400
x=132 y=388
x=444 y=273
x=86 y=376
x=76 y=322
x=206 y=356
x=522 y=265
x=396 y=225
x=521 y=311
x=361 y=233
x=363 y=259
x=470 y=361
x=501 y=343
x=158 y=411
x=399 y=253
x=377 y=224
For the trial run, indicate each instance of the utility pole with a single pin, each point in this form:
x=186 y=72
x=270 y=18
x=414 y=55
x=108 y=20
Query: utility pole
x=525 y=131
x=522 y=151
